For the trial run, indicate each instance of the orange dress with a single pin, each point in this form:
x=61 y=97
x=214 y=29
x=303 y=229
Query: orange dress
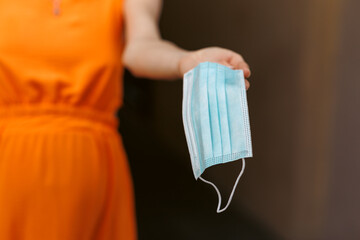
x=63 y=169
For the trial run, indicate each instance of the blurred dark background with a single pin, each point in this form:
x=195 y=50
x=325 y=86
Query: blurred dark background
x=302 y=183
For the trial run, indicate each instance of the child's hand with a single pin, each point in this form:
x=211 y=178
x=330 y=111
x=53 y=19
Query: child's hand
x=214 y=54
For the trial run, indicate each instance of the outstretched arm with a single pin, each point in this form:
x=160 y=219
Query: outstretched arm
x=147 y=55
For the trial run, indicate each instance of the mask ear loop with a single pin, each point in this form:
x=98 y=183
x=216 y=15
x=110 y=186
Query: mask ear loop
x=218 y=210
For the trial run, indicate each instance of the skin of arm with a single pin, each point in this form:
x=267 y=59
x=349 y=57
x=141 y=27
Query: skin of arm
x=147 y=55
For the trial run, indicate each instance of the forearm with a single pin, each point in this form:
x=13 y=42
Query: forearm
x=147 y=55
x=155 y=59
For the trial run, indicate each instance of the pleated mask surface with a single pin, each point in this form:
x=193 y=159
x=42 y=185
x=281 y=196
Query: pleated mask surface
x=216 y=120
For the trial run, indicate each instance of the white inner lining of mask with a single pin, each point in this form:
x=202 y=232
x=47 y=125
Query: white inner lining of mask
x=218 y=210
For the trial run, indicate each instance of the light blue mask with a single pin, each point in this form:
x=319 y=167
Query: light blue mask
x=216 y=120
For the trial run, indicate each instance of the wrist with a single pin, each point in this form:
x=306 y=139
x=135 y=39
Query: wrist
x=187 y=61
x=181 y=63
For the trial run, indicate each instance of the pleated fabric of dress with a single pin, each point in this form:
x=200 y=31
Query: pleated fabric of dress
x=64 y=173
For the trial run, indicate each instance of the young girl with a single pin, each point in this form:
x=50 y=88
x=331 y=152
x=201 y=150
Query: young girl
x=63 y=169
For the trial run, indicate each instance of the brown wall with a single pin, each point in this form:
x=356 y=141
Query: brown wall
x=303 y=105
x=269 y=34
x=343 y=210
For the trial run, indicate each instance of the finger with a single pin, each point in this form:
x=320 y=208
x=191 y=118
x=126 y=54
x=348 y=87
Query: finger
x=247 y=84
x=237 y=62
x=245 y=67
x=247 y=72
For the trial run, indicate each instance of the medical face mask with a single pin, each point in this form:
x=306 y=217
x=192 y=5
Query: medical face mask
x=216 y=120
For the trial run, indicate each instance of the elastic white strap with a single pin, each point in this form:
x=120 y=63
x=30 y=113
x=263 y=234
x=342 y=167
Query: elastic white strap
x=218 y=210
